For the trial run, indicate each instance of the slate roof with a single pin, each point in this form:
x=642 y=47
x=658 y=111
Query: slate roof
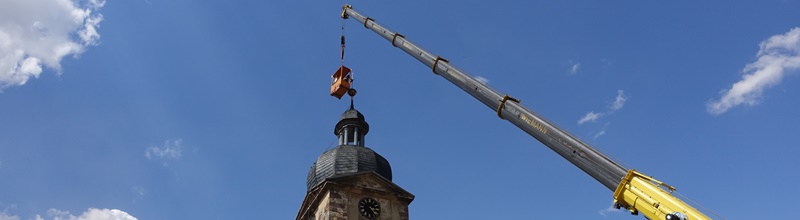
x=351 y=116
x=347 y=159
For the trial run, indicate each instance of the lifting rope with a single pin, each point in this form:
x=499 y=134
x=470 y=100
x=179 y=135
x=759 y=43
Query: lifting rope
x=341 y=58
x=351 y=91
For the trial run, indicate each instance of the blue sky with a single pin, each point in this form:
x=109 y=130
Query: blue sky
x=180 y=109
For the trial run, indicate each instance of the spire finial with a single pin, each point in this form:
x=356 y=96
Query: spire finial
x=352 y=93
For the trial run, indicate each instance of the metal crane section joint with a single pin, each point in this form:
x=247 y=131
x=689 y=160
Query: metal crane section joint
x=503 y=104
x=395 y=38
x=438 y=58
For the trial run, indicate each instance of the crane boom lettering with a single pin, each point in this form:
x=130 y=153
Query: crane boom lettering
x=534 y=123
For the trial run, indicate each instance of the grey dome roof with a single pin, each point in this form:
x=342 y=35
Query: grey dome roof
x=347 y=159
x=351 y=116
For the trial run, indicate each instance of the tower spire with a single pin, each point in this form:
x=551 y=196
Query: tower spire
x=352 y=126
x=352 y=93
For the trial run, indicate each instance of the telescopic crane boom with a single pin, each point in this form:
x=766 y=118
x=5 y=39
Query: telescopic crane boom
x=633 y=191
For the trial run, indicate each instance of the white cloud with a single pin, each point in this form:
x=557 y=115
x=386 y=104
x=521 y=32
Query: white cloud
x=482 y=80
x=573 y=67
x=607 y=62
x=602 y=130
x=601 y=133
x=36 y=33
x=4 y=216
x=4 y=213
x=777 y=56
x=590 y=117
x=171 y=150
x=619 y=102
x=91 y=214
x=138 y=193
x=605 y=212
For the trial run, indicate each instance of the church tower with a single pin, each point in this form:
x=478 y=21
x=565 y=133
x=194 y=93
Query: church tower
x=351 y=181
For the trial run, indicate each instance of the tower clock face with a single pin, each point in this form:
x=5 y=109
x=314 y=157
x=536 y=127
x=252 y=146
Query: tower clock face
x=369 y=207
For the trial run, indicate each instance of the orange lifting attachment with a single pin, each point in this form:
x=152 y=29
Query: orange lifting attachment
x=340 y=82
